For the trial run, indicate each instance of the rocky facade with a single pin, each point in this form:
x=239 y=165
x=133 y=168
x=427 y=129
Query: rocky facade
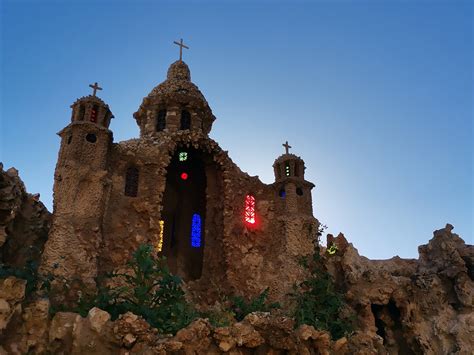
x=404 y=306
x=111 y=197
x=422 y=306
x=24 y=222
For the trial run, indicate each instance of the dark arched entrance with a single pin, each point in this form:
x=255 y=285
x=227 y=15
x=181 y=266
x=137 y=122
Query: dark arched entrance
x=184 y=213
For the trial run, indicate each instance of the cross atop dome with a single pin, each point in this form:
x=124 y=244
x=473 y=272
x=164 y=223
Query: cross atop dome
x=181 y=46
x=95 y=87
x=287 y=147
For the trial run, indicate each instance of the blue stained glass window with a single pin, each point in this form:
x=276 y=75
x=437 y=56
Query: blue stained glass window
x=196 y=231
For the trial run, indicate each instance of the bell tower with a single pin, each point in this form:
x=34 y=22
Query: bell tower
x=293 y=190
x=80 y=183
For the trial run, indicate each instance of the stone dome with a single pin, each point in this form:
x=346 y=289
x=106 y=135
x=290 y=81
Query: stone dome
x=179 y=70
x=288 y=166
x=177 y=91
x=286 y=157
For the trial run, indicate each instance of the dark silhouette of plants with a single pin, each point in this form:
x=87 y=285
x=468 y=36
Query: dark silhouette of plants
x=150 y=291
x=28 y=272
x=240 y=307
x=317 y=303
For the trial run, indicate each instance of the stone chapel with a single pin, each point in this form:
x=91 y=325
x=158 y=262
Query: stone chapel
x=176 y=189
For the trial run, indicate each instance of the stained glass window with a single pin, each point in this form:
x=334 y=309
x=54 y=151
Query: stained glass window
x=250 y=209
x=131 y=182
x=196 y=231
x=183 y=156
x=159 y=245
x=94 y=110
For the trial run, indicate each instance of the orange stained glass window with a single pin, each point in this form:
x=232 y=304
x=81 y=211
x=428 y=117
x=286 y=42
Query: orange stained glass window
x=159 y=245
x=250 y=209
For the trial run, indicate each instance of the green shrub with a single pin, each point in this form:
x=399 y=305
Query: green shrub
x=241 y=307
x=150 y=291
x=29 y=272
x=317 y=303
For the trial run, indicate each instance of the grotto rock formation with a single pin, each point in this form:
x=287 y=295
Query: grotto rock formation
x=405 y=306
x=24 y=222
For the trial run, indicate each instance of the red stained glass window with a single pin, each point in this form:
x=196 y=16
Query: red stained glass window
x=94 y=110
x=250 y=209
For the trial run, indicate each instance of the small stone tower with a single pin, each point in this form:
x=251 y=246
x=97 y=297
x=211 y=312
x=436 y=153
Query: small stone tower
x=294 y=191
x=79 y=192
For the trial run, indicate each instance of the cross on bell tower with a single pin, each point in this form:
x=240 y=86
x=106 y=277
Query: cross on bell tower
x=287 y=147
x=181 y=46
x=95 y=87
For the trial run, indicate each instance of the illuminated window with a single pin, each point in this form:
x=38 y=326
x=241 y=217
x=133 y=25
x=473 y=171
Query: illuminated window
x=161 y=121
x=183 y=156
x=287 y=169
x=159 y=245
x=94 y=110
x=184 y=176
x=196 y=231
x=250 y=209
x=131 y=182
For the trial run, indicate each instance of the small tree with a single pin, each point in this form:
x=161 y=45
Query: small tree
x=317 y=303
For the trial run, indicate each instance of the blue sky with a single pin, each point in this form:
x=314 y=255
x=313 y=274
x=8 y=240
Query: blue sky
x=375 y=96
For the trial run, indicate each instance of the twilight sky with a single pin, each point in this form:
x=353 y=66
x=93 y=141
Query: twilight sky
x=375 y=96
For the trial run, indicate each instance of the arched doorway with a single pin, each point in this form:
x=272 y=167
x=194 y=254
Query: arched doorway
x=184 y=213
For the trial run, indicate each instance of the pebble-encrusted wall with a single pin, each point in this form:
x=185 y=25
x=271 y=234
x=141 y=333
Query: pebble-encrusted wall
x=97 y=225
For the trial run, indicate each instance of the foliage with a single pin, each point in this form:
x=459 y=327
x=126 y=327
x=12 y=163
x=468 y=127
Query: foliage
x=29 y=272
x=219 y=317
x=150 y=291
x=241 y=307
x=317 y=303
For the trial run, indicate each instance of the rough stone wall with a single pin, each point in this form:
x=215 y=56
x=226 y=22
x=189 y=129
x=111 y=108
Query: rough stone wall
x=237 y=258
x=414 y=306
x=79 y=196
x=24 y=222
x=403 y=306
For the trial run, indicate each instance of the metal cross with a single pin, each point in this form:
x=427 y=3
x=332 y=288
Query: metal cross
x=95 y=87
x=287 y=147
x=181 y=46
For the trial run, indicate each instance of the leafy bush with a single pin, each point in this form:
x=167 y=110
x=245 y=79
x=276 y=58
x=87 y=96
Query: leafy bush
x=317 y=302
x=241 y=307
x=29 y=272
x=150 y=291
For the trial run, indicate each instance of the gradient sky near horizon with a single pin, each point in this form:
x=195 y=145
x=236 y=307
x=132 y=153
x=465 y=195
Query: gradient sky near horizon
x=375 y=96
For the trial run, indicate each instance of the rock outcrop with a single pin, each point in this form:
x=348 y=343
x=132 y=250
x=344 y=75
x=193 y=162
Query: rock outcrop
x=24 y=222
x=415 y=306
